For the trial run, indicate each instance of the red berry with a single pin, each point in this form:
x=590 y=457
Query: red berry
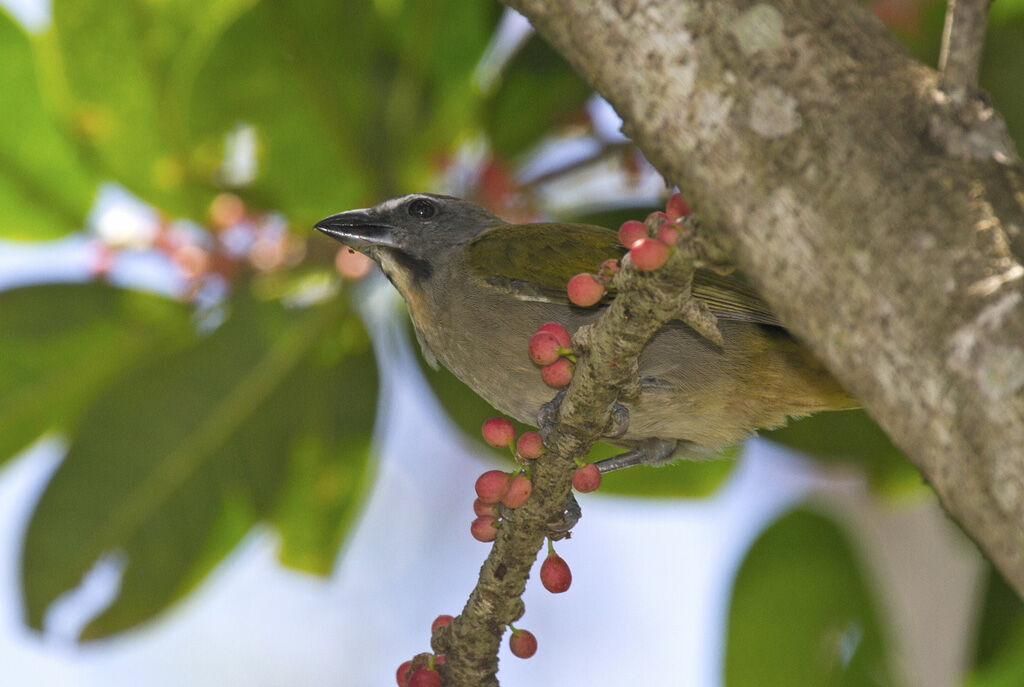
x=657 y=218
x=608 y=269
x=481 y=508
x=498 y=432
x=439 y=659
x=518 y=492
x=484 y=528
x=648 y=254
x=522 y=643
x=668 y=233
x=586 y=478
x=559 y=331
x=402 y=676
x=585 y=289
x=529 y=445
x=558 y=373
x=440 y=621
x=544 y=348
x=492 y=485
x=676 y=207
x=630 y=232
x=425 y=677
x=555 y=574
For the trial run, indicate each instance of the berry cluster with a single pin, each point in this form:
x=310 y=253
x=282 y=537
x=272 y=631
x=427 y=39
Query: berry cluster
x=649 y=243
x=495 y=486
x=551 y=348
x=421 y=670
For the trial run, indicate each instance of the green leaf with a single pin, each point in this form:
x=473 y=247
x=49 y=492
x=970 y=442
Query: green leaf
x=44 y=190
x=851 y=436
x=370 y=95
x=60 y=345
x=173 y=464
x=537 y=91
x=999 y=652
x=802 y=612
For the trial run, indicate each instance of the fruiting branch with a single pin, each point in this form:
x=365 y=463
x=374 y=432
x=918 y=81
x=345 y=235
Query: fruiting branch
x=607 y=355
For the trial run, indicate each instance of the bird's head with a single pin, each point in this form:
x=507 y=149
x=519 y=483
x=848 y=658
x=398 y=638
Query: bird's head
x=411 y=237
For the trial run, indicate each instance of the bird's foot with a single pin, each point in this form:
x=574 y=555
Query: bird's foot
x=548 y=415
x=647 y=452
x=618 y=423
x=560 y=527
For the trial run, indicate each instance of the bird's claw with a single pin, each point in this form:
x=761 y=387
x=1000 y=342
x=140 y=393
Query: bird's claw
x=548 y=415
x=618 y=423
x=647 y=452
x=571 y=514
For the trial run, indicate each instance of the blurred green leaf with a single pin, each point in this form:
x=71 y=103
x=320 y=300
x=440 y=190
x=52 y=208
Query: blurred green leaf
x=851 y=436
x=44 y=190
x=172 y=464
x=537 y=90
x=999 y=651
x=802 y=613
x=61 y=344
x=370 y=95
x=126 y=104
x=687 y=479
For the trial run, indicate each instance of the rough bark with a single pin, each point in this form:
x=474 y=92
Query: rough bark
x=886 y=232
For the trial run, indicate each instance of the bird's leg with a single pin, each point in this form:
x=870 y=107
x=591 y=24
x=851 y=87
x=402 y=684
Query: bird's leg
x=647 y=452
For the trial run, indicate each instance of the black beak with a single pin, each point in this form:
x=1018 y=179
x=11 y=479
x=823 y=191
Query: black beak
x=357 y=229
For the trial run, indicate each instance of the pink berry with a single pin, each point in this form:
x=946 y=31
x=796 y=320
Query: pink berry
x=529 y=445
x=559 y=331
x=439 y=659
x=657 y=218
x=555 y=574
x=585 y=289
x=668 y=233
x=676 y=207
x=558 y=374
x=498 y=432
x=481 y=508
x=440 y=621
x=518 y=492
x=648 y=254
x=484 y=528
x=425 y=677
x=630 y=232
x=492 y=485
x=586 y=478
x=544 y=348
x=608 y=269
x=522 y=643
x=402 y=676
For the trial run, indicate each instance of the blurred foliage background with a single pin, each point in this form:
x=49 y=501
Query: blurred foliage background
x=209 y=370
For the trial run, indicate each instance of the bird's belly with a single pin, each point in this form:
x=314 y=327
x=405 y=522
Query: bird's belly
x=692 y=389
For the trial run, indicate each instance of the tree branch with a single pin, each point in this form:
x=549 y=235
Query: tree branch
x=607 y=354
x=803 y=130
x=963 y=40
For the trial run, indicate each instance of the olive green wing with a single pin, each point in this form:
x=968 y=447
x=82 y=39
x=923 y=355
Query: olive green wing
x=535 y=262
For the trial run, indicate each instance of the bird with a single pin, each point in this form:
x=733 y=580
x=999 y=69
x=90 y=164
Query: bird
x=477 y=287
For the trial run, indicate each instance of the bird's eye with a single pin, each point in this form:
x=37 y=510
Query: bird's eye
x=421 y=208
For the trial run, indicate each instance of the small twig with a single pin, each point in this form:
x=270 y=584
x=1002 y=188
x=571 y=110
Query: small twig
x=963 y=40
x=609 y=350
x=606 y=150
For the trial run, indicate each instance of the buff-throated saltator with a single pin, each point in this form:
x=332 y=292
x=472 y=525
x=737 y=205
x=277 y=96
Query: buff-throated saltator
x=477 y=289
